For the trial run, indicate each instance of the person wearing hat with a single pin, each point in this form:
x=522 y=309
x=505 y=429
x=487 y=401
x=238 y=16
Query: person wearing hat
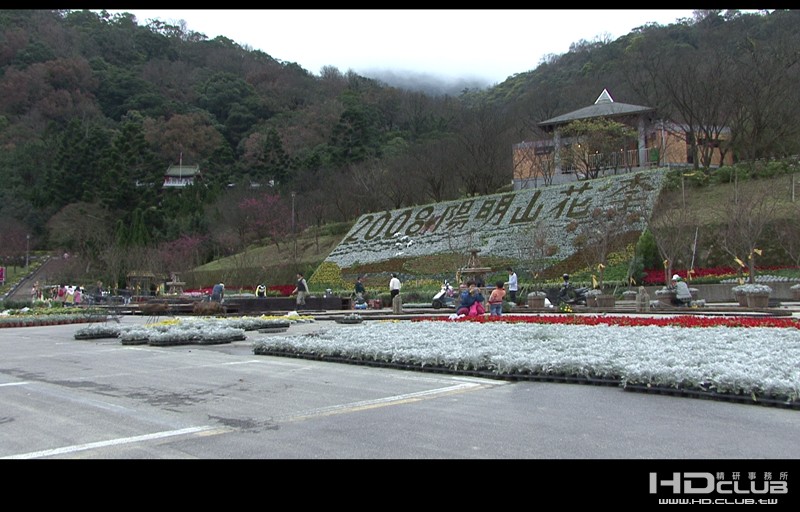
x=683 y=297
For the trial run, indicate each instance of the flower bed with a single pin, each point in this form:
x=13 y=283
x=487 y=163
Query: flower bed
x=753 y=359
x=32 y=320
x=189 y=330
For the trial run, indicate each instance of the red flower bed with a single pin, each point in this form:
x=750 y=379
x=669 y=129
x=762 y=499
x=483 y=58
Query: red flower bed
x=283 y=289
x=676 y=321
x=655 y=276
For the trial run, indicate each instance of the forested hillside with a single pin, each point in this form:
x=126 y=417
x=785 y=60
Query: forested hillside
x=94 y=108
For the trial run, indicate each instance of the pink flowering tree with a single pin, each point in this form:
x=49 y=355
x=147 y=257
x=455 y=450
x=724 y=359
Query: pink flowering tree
x=265 y=216
x=181 y=254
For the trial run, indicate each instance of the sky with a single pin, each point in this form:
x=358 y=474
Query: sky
x=484 y=44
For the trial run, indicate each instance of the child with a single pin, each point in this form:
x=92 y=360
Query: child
x=496 y=299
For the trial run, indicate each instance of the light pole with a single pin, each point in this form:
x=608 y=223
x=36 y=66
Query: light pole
x=27 y=249
x=294 y=236
x=293 y=195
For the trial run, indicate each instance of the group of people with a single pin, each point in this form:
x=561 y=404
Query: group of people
x=471 y=299
x=68 y=295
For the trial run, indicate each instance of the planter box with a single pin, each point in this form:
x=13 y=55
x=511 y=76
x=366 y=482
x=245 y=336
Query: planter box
x=605 y=301
x=665 y=298
x=266 y=304
x=741 y=298
x=757 y=301
x=535 y=302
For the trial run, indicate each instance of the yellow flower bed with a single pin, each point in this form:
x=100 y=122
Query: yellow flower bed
x=328 y=275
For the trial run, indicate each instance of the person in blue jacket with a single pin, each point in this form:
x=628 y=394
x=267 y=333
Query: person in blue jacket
x=471 y=301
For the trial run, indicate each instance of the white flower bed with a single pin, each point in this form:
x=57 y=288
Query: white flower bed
x=741 y=361
x=763 y=279
x=752 y=289
x=188 y=330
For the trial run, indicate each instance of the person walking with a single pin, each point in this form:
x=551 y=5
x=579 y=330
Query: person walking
x=261 y=290
x=394 y=286
x=512 y=285
x=496 y=299
x=301 y=290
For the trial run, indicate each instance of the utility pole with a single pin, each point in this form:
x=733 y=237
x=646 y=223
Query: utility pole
x=27 y=249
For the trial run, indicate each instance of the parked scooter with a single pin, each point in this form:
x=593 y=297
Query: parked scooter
x=446 y=297
x=567 y=294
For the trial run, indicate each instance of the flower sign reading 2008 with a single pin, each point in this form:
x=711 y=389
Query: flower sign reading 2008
x=497 y=220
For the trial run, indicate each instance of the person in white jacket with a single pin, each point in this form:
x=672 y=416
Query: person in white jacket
x=394 y=286
x=512 y=285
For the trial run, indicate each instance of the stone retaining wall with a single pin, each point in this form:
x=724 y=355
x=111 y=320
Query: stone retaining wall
x=722 y=292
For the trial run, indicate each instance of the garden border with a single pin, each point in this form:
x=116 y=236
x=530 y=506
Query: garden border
x=561 y=379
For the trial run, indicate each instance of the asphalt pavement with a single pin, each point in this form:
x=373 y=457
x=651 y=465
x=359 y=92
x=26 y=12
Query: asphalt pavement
x=62 y=398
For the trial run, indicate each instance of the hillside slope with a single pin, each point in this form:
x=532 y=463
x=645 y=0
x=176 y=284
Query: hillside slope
x=278 y=265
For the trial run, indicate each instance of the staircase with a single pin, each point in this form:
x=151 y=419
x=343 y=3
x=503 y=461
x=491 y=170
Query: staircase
x=48 y=271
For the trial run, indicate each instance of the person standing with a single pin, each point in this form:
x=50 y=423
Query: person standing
x=301 y=290
x=360 y=291
x=496 y=299
x=218 y=292
x=261 y=290
x=69 y=298
x=512 y=285
x=394 y=286
x=35 y=292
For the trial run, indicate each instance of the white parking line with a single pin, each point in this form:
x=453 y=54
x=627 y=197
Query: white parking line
x=383 y=402
x=111 y=442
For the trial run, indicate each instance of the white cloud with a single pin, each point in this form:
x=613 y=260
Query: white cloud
x=458 y=44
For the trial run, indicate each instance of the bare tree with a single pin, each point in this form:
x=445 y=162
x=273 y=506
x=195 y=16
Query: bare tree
x=673 y=229
x=433 y=168
x=535 y=248
x=532 y=163
x=744 y=222
x=484 y=162
x=84 y=228
x=12 y=241
x=598 y=236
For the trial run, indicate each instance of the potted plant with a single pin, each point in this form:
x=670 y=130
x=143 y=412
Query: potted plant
x=352 y=318
x=795 y=291
x=592 y=296
x=536 y=299
x=757 y=295
x=739 y=295
x=665 y=296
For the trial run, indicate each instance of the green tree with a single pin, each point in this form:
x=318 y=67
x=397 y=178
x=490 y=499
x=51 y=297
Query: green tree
x=592 y=144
